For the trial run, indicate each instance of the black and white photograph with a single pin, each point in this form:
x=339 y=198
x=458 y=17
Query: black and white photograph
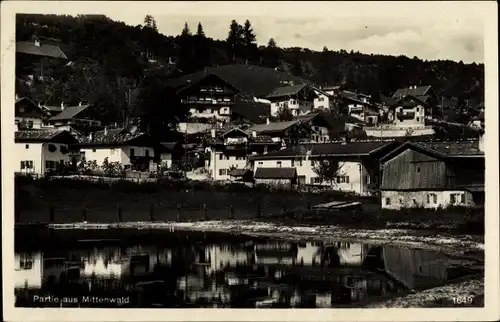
x=268 y=156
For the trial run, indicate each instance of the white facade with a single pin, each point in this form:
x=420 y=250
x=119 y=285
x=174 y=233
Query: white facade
x=120 y=154
x=221 y=164
x=425 y=199
x=218 y=112
x=322 y=102
x=417 y=121
x=191 y=128
x=28 y=270
x=353 y=176
x=36 y=158
x=297 y=107
x=31 y=122
x=396 y=131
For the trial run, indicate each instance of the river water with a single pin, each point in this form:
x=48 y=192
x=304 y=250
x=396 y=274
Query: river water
x=134 y=268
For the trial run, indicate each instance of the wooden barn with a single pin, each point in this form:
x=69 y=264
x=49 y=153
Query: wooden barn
x=283 y=178
x=433 y=174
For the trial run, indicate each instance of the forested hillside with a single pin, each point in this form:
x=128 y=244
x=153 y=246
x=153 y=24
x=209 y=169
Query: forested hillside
x=108 y=60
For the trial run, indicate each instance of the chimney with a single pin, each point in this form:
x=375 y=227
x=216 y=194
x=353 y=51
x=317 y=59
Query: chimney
x=212 y=132
x=254 y=134
x=62 y=106
x=80 y=104
x=267 y=120
x=91 y=136
x=37 y=42
x=105 y=130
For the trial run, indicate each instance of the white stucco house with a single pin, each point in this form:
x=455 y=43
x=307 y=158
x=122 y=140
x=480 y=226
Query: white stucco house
x=28 y=270
x=298 y=98
x=133 y=149
x=40 y=150
x=357 y=162
x=27 y=114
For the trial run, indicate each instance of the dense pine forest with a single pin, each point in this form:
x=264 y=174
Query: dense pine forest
x=109 y=62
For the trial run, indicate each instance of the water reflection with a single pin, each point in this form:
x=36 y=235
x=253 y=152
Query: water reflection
x=201 y=273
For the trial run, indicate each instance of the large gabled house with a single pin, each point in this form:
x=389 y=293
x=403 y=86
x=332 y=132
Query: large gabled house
x=299 y=99
x=230 y=151
x=433 y=174
x=358 y=169
x=27 y=114
x=425 y=94
x=80 y=116
x=324 y=126
x=287 y=132
x=38 y=151
x=132 y=149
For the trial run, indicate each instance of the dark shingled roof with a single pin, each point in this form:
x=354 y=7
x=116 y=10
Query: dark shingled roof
x=249 y=79
x=358 y=148
x=170 y=146
x=272 y=127
x=275 y=173
x=238 y=172
x=28 y=47
x=69 y=113
x=119 y=136
x=262 y=139
x=247 y=108
x=53 y=108
x=440 y=149
x=419 y=91
x=286 y=91
x=43 y=135
x=451 y=149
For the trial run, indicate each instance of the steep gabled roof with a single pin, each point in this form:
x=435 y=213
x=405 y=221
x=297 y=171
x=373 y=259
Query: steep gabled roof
x=235 y=129
x=418 y=91
x=69 y=113
x=336 y=149
x=44 y=135
x=29 y=48
x=409 y=97
x=275 y=173
x=439 y=149
x=273 y=127
x=284 y=91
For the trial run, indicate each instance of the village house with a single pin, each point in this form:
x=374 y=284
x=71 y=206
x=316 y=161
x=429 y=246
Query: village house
x=132 y=149
x=230 y=150
x=80 y=116
x=324 y=126
x=433 y=174
x=407 y=117
x=27 y=114
x=172 y=154
x=424 y=94
x=298 y=98
x=38 y=151
x=357 y=163
x=286 y=132
x=28 y=270
x=323 y=101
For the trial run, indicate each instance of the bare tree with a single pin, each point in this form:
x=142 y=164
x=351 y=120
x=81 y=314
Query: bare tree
x=328 y=170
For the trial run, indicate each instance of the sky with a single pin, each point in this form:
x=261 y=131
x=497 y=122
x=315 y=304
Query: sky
x=428 y=30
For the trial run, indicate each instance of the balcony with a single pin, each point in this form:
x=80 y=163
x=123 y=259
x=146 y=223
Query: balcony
x=207 y=102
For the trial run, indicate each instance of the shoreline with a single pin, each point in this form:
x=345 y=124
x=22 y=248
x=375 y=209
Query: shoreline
x=464 y=245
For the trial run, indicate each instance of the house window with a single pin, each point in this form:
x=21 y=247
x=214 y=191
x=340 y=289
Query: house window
x=431 y=198
x=222 y=172
x=50 y=164
x=312 y=163
x=278 y=164
x=27 y=146
x=457 y=199
x=418 y=169
x=418 y=109
x=93 y=150
x=260 y=163
x=132 y=152
x=387 y=201
x=21 y=109
x=147 y=152
x=30 y=124
x=220 y=156
x=26 y=262
x=112 y=151
x=293 y=163
x=26 y=164
x=418 y=119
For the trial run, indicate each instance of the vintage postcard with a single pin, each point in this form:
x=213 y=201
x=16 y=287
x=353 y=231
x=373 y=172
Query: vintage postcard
x=236 y=161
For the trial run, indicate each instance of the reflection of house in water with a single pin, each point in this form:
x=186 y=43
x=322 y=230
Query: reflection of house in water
x=415 y=268
x=220 y=256
x=28 y=270
x=276 y=253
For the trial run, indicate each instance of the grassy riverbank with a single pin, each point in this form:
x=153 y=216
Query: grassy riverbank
x=73 y=200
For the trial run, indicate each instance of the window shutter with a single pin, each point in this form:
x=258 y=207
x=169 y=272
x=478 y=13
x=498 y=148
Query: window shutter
x=435 y=198
x=22 y=165
x=452 y=198
x=347 y=179
x=462 y=198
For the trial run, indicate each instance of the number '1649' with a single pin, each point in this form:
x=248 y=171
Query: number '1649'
x=463 y=300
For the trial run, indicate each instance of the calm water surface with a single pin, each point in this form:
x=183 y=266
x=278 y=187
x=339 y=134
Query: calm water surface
x=132 y=268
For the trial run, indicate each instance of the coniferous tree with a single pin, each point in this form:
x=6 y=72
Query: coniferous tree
x=249 y=39
x=271 y=54
x=234 y=40
x=186 y=60
x=199 y=31
x=201 y=48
